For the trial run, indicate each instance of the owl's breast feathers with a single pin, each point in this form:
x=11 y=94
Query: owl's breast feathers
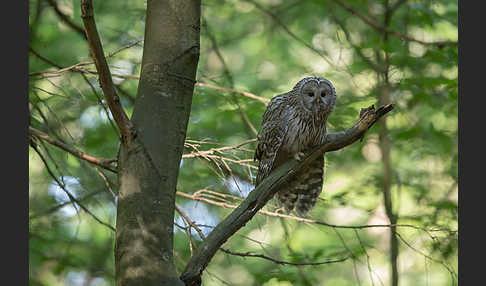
x=286 y=129
x=304 y=131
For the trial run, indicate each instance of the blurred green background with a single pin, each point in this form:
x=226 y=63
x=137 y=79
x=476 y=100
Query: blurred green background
x=262 y=47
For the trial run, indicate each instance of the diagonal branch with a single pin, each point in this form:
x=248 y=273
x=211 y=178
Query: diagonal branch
x=277 y=21
x=105 y=164
x=249 y=254
x=447 y=266
x=268 y=187
x=78 y=67
x=71 y=197
x=381 y=28
x=358 y=50
x=229 y=78
x=66 y=19
x=104 y=74
x=43 y=58
x=57 y=207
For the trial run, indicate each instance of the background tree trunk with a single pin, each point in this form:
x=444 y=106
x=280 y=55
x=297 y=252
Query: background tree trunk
x=384 y=142
x=149 y=166
x=386 y=188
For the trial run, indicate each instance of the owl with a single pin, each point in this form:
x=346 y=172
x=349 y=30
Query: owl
x=293 y=123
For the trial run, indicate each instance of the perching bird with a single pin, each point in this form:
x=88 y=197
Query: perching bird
x=293 y=123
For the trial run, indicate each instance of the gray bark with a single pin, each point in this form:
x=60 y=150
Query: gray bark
x=149 y=165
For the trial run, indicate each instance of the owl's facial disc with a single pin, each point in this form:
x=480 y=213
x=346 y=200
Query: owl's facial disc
x=318 y=96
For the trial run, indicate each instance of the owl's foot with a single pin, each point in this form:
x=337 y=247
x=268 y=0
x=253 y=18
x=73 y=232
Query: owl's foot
x=299 y=156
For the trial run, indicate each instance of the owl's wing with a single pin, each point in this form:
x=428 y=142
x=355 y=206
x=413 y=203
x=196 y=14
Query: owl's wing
x=270 y=137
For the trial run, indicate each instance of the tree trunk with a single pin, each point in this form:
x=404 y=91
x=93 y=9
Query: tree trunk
x=149 y=166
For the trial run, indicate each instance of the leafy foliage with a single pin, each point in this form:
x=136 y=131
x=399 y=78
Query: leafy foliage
x=262 y=47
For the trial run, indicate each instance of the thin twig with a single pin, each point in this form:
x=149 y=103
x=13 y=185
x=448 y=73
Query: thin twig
x=358 y=49
x=71 y=197
x=107 y=182
x=207 y=153
x=93 y=160
x=76 y=67
x=289 y=32
x=351 y=254
x=449 y=268
x=367 y=257
x=380 y=28
x=190 y=222
x=44 y=59
x=59 y=206
x=197 y=196
x=101 y=103
x=229 y=77
x=249 y=254
x=66 y=19
x=244 y=93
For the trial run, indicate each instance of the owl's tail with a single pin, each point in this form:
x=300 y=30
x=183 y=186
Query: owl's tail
x=302 y=193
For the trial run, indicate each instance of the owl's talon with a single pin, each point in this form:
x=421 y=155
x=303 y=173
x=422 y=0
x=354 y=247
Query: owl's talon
x=299 y=156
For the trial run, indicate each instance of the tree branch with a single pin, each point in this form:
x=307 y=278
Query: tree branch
x=221 y=202
x=249 y=254
x=46 y=60
x=66 y=19
x=276 y=261
x=276 y=19
x=380 y=28
x=71 y=197
x=447 y=266
x=77 y=67
x=358 y=50
x=268 y=187
x=249 y=126
x=106 y=82
x=244 y=93
x=59 y=206
x=105 y=164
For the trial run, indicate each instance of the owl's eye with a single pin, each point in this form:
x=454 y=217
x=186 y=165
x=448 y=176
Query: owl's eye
x=323 y=94
x=310 y=94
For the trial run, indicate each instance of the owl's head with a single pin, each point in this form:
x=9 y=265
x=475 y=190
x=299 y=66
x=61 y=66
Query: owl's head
x=316 y=94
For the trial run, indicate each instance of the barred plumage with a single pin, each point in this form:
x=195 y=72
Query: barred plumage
x=294 y=122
